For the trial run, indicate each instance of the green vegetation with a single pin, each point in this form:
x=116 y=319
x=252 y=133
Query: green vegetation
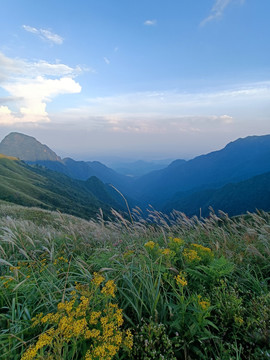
x=169 y=288
x=234 y=198
x=35 y=186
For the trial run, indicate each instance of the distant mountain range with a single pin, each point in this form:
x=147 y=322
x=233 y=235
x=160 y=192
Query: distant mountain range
x=234 y=179
x=238 y=161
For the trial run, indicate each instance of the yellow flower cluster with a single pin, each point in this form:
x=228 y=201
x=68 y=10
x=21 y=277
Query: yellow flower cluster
x=60 y=259
x=95 y=315
x=203 y=251
x=44 y=339
x=177 y=241
x=98 y=279
x=77 y=319
x=166 y=252
x=181 y=279
x=8 y=280
x=203 y=303
x=109 y=288
x=12 y=268
x=191 y=255
x=150 y=245
x=43 y=265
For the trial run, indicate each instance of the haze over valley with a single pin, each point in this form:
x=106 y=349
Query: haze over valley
x=234 y=179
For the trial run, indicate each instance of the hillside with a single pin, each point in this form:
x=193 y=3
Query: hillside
x=33 y=186
x=239 y=160
x=187 y=287
x=30 y=150
x=233 y=198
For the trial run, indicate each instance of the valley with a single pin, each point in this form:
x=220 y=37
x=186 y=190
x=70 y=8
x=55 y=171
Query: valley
x=233 y=179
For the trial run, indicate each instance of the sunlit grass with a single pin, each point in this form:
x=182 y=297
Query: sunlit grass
x=186 y=288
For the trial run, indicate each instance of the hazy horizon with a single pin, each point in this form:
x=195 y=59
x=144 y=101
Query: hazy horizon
x=135 y=80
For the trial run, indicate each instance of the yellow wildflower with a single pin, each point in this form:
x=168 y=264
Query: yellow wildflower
x=181 y=279
x=98 y=279
x=37 y=319
x=50 y=318
x=94 y=333
x=75 y=319
x=83 y=306
x=203 y=250
x=88 y=356
x=108 y=329
x=191 y=255
x=150 y=244
x=166 y=252
x=30 y=353
x=109 y=288
x=128 y=341
x=79 y=327
x=178 y=241
x=118 y=337
x=119 y=317
x=12 y=268
x=94 y=317
x=204 y=304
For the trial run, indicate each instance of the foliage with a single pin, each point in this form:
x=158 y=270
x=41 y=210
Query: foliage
x=151 y=341
x=35 y=186
x=181 y=288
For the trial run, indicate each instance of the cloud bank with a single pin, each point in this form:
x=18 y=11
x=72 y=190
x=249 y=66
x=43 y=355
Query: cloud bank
x=172 y=112
x=31 y=85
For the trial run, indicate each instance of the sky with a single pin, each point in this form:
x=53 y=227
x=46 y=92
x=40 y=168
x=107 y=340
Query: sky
x=138 y=79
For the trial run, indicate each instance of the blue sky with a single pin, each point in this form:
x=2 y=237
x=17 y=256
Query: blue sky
x=139 y=79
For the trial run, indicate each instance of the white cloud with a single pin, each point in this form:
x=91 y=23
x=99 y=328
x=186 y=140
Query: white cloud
x=226 y=119
x=31 y=86
x=107 y=61
x=217 y=10
x=30 y=29
x=170 y=112
x=175 y=104
x=150 y=22
x=44 y=34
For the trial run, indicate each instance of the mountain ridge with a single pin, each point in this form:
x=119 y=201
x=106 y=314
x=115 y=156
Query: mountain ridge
x=237 y=161
x=30 y=150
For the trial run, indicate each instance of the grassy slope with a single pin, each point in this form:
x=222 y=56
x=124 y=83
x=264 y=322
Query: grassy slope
x=30 y=186
x=51 y=252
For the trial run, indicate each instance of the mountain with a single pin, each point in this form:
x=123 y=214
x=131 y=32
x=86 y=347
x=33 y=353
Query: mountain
x=26 y=148
x=30 y=150
x=217 y=179
x=35 y=186
x=239 y=160
x=234 y=198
